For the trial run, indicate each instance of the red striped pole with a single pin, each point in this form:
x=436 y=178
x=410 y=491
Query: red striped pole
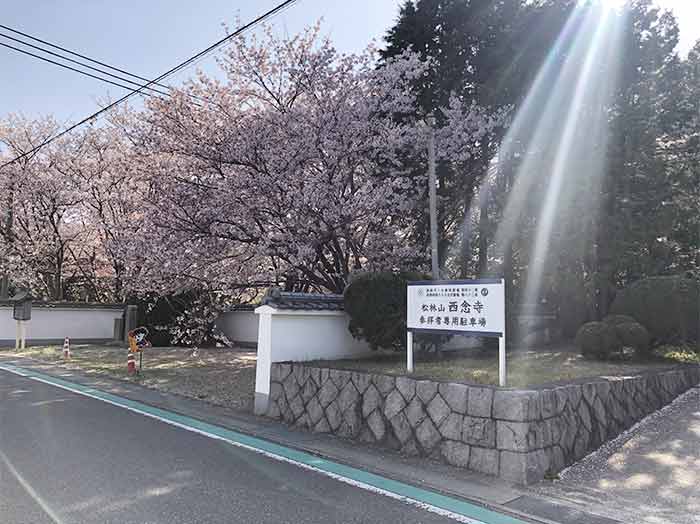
x=131 y=363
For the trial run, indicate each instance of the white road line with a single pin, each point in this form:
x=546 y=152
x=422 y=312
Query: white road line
x=422 y=505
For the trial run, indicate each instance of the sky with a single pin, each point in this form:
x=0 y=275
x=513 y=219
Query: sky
x=150 y=37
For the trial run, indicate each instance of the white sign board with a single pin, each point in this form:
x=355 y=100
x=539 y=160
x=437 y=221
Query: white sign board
x=460 y=306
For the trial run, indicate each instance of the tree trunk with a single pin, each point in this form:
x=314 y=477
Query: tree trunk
x=465 y=254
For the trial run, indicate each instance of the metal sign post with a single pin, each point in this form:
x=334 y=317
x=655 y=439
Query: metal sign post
x=458 y=307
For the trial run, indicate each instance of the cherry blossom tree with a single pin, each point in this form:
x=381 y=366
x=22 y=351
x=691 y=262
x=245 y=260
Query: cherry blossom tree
x=40 y=220
x=291 y=170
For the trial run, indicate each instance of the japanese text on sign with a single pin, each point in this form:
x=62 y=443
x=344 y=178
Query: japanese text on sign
x=476 y=306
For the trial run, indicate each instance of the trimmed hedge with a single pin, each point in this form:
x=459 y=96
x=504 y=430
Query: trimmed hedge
x=376 y=303
x=616 y=320
x=597 y=340
x=634 y=335
x=667 y=306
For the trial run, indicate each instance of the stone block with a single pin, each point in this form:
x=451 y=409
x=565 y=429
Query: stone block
x=575 y=394
x=456 y=396
x=351 y=423
x=427 y=435
x=315 y=411
x=366 y=435
x=438 y=409
x=328 y=393
x=303 y=421
x=278 y=372
x=273 y=410
x=276 y=391
x=480 y=403
x=585 y=416
x=377 y=426
x=557 y=460
x=371 y=400
x=362 y=381
x=394 y=404
x=308 y=390
x=349 y=398
x=484 y=460
x=415 y=412
x=512 y=436
x=589 y=392
x=300 y=372
x=401 y=428
x=407 y=387
x=315 y=376
x=549 y=403
x=384 y=383
x=322 y=426
x=562 y=398
x=523 y=468
x=340 y=377
x=291 y=388
x=479 y=432
x=410 y=448
x=333 y=415
x=296 y=405
x=451 y=427
x=516 y=405
x=426 y=390
x=603 y=389
x=455 y=453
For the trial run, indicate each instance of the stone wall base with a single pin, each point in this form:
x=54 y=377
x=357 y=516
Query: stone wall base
x=518 y=435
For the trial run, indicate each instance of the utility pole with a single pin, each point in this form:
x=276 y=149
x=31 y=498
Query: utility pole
x=432 y=195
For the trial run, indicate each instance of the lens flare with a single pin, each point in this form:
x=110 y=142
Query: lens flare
x=552 y=161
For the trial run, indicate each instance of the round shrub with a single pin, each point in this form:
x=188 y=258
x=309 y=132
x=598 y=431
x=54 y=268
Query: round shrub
x=616 y=320
x=634 y=335
x=597 y=340
x=376 y=304
x=666 y=306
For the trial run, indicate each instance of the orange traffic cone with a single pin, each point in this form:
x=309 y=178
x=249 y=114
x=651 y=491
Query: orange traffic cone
x=66 y=348
x=131 y=363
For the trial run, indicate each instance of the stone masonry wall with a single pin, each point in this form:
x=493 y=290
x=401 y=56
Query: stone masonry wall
x=518 y=435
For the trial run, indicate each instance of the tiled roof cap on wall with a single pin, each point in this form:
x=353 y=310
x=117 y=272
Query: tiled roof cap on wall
x=278 y=299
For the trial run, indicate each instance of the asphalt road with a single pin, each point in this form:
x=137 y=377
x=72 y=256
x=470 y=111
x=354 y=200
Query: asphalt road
x=67 y=459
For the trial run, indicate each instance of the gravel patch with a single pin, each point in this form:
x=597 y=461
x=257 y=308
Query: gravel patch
x=648 y=475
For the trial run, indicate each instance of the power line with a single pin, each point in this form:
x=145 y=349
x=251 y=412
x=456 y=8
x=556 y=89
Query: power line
x=79 y=55
x=74 y=62
x=128 y=88
x=275 y=10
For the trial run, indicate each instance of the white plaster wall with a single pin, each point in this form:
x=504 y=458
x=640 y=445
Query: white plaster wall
x=299 y=336
x=239 y=326
x=51 y=323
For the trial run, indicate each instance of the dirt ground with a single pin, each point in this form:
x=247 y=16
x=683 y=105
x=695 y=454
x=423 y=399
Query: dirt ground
x=221 y=376
x=525 y=368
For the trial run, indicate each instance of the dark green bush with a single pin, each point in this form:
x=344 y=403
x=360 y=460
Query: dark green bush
x=666 y=306
x=597 y=340
x=634 y=335
x=376 y=304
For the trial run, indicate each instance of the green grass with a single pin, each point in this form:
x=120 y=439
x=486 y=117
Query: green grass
x=525 y=368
